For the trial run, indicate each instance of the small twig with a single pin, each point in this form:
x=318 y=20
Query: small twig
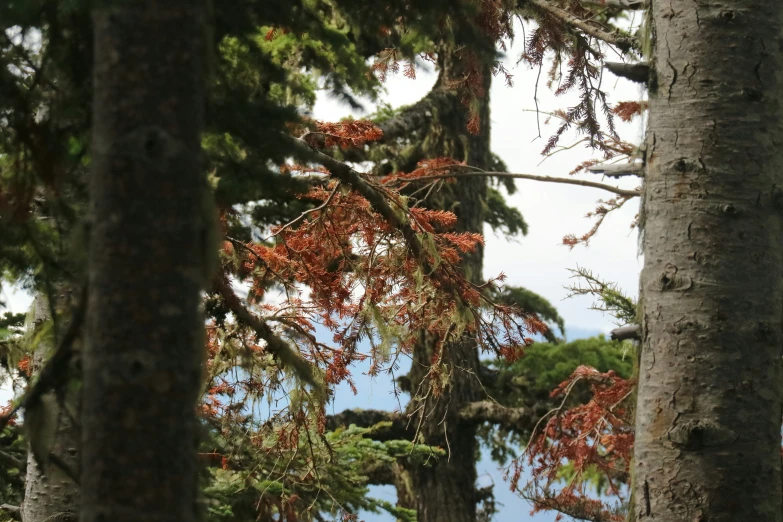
x=306 y=212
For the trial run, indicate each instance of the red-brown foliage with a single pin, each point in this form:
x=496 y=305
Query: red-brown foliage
x=594 y=439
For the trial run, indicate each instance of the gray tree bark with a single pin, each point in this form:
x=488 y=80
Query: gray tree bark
x=50 y=493
x=142 y=362
x=709 y=399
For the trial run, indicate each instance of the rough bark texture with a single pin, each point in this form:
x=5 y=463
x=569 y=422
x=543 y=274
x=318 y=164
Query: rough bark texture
x=142 y=363
x=50 y=492
x=709 y=400
x=446 y=491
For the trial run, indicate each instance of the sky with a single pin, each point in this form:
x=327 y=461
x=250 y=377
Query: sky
x=537 y=261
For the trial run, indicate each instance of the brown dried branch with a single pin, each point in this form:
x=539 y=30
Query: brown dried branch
x=288 y=355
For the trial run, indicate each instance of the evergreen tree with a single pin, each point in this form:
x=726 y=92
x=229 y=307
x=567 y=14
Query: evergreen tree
x=259 y=63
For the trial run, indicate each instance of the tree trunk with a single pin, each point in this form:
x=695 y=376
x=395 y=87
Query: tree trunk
x=709 y=400
x=51 y=494
x=446 y=490
x=142 y=363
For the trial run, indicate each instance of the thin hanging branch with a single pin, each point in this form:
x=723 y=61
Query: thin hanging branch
x=548 y=179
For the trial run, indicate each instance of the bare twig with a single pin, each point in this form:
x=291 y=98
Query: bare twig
x=485 y=173
x=306 y=212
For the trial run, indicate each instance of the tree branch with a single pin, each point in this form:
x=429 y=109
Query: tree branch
x=622 y=4
x=548 y=179
x=519 y=419
x=636 y=72
x=407 y=121
x=274 y=344
x=366 y=418
x=14 y=512
x=623 y=43
x=346 y=174
x=416 y=116
x=630 y=331
x=9 y=461
x=618 y=170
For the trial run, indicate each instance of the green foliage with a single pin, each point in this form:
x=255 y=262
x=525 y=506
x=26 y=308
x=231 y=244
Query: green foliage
x=325 y=474
x=546 y=365
x=13 y=454
x=610 y=298
x=502 y=217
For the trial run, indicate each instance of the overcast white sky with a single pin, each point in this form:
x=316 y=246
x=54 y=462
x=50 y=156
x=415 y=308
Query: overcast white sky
x=537 y=261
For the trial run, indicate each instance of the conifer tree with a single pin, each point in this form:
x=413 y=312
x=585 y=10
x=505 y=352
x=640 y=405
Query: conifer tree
x=251 y=128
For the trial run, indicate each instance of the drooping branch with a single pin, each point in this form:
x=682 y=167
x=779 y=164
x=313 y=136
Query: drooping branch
x=346 y=174
x=275 y=345
x=624 y=43
x=548 y=179
x=519 y=419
